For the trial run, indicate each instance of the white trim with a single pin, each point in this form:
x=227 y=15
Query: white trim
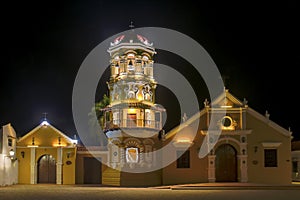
x=271 y=144
x=71 y=141
x=269 y=122
x=183 y=144
x=226 y=132
x=93 y=152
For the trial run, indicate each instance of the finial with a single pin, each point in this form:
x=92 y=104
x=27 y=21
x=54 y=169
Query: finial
x=184 y=117
x=131 y=26
x=245 y=102
x=267 y=114
x=45 y=116
x=206 y=102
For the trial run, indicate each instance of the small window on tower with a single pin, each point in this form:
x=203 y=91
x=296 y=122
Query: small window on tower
x=146 y=58
x=9 y=142
x=130 y=55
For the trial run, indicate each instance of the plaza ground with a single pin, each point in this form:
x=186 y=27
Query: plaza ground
x=206 y=191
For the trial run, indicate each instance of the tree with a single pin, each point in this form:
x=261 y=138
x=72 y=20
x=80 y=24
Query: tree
x=97 y=135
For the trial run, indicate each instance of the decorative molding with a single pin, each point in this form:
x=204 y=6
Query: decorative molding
x=183 y=144
x=271 y=144
x=229 y=132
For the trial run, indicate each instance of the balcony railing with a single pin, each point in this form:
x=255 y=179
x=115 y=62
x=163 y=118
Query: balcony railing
x=133 y=123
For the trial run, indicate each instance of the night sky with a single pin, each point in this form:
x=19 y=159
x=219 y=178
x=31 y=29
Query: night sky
x=44 y=43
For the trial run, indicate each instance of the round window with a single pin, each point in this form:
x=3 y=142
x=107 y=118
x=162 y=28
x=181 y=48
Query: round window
x=226 y=121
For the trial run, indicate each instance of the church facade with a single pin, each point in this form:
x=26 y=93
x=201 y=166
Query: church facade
x=244 y=146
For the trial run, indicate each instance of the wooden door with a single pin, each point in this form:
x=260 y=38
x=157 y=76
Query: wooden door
x=92 y=171
x=226 y=164
x=46 y=169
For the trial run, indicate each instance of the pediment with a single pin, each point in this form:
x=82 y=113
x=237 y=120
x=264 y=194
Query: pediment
x=227 y=100
x=45 y=135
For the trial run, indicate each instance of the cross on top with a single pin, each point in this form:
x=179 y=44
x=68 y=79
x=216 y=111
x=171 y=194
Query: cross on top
x=45 y=115
x=131 y=26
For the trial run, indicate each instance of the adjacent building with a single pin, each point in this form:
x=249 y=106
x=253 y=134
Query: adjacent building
x=46 y=155
x=8 y=161
x=296 y=160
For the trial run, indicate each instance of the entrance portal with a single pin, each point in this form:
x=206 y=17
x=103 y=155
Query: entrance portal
x=226 y=163
x=46 y=169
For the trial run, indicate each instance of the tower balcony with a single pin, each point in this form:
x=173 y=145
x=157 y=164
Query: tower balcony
x=135 y=128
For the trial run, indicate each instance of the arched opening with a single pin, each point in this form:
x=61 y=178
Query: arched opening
x=226 y=163
x=46 y=169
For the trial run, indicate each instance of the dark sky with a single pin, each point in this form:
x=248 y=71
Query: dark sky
x=45 y=42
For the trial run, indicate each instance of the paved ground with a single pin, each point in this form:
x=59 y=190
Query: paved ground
x=229 y=191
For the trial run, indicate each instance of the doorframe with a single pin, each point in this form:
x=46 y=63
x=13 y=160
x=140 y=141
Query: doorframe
x=241 y=156
x=38 y=167
x=235 y=170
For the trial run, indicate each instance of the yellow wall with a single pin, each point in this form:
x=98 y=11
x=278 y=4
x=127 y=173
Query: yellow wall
x=69 y=169
x=257 y=172
x=262 y=132
x=46 y=139
x=24 y=165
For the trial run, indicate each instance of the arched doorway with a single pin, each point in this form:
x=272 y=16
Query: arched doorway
x=226 y=163
x=46 y=169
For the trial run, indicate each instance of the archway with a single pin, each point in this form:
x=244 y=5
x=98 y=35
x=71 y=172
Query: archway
x=226 y=163
x=46 y=169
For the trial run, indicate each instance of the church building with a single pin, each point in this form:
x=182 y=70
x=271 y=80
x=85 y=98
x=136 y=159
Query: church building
x=226 y=141
x=245 y=146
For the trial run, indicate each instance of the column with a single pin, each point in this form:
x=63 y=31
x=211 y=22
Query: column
x=59 y=166
x=33 y=170
x=211 y=169
x=243 y=168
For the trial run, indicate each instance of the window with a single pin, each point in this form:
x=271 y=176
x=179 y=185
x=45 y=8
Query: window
x=9 y=142
x=183 y=160
x=131 y=120
x=295 y=166
x=270 y=157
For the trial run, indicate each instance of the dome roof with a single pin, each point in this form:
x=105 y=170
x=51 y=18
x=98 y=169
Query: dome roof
x=132 y=38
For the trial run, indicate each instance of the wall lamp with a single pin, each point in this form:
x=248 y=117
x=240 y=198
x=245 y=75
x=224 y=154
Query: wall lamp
x=69 y=154
x=255 y=149
x=11 y=155
x=22 y=154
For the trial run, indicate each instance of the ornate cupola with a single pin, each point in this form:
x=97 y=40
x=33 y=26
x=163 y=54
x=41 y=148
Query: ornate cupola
x=132 y=121
x=132 y=89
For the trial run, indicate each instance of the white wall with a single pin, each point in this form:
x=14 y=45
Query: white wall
x=8 y=166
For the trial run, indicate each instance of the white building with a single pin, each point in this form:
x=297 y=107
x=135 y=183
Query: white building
x=8 y=161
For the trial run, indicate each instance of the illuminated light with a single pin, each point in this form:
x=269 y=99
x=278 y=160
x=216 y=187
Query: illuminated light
x=117 y=58
x=32 y=145
x=11 y=153
x=130 y=55
x=184 y=140
x=74 y=141
x=45 y=123
x=131 y=110
x=59 y=145
x=140 y=97
x=226 y=106
x=145 y=58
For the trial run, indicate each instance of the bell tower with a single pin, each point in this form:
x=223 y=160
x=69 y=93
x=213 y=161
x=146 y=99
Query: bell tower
x=132 y=120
